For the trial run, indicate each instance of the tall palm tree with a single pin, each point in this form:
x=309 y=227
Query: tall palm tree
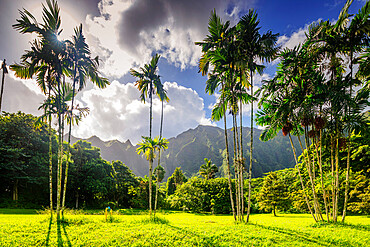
x=211 y=45
x=148 y=83
x=148 y=147
x=357 y=37
x=5 y=71
x=208 y=170
x=83 y=67
x=45 y=59
x=255 y=47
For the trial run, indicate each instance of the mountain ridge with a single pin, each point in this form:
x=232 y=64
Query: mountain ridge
x=189 y=148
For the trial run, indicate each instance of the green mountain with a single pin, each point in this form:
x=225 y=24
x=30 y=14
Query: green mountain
x=189 y=149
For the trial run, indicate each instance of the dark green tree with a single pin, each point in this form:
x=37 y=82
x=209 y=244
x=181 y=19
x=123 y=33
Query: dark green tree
x=273 y=193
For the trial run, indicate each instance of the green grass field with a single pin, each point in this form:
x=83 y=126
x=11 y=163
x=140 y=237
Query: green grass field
x=133 y=228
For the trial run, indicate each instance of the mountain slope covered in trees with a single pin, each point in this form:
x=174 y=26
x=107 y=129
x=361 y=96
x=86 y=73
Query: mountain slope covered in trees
x=189 y=149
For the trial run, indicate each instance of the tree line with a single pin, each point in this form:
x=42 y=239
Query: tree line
x=97 y=183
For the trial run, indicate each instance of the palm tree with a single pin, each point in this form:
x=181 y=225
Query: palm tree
x=148 y=83
x=45 y=59
x=208 y=170
x=5 y=71
x=83 y=68
x=211 y=45
x=148 y=147
x=159 y=171
x=255 y=47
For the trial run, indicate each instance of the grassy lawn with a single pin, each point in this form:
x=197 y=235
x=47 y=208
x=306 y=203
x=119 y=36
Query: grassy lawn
x=179 y=229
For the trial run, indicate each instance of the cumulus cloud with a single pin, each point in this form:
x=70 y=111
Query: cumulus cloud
x=117 y=113
x=126 y=33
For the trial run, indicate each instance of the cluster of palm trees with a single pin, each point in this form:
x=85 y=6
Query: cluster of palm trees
x=149 y=83
x=317 y=96
x=231 y=56
x=59 y=66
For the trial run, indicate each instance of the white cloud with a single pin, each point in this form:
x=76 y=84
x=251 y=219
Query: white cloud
x=20 y=95
x=127 y=33
x=117 y=113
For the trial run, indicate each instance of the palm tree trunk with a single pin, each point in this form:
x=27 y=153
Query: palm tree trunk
x=251 y=155
x=50 y=161
x=60 y=150
x=2 y=86
x=349 y=146
x=336 y=181
x=300 y=178
x=159 y=160
x=228 y=164
x=241 y=158
x=69 y=140
x=236 y=172
x=150 y=110
x=150 y=185
x=308 y=166
x=319 y=160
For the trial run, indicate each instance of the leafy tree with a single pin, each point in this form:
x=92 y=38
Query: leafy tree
x=123 y=180
x=176 y=179
x=273 y=193
x=208 y=170
x=23 y=157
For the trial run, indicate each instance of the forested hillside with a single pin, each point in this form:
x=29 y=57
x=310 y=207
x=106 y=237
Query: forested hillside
x=189 y=149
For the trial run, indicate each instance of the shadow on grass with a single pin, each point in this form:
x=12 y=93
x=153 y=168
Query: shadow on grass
x=359 y=227
x=203 y=240
x=61 y=225
x=306 y=237
x=49 y=230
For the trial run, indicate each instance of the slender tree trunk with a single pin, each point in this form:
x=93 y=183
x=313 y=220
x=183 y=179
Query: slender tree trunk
x=349 y=147
x=241 y=158
x=336 y=181
x=77 y=196
x=310 y=170
x=300 y=178
x=60 y=150
x=15 y=190
x=69 y=139
x=50 y=158
x=319 y=160
x=150 y=186
x=347 y=183
x=159 y=160
x=332 y=174
x=2 y=85
x=228 y=163
x=274 y=211
x=150 y=110
x=251 y=155
x=236 y=172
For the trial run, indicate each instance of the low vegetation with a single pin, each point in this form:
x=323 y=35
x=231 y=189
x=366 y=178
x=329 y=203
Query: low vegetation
x=169 y=228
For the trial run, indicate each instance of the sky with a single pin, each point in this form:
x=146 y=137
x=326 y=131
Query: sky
x=126 y=33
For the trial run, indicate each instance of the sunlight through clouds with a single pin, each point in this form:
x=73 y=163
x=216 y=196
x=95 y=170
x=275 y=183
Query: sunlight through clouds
x=117 y=113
